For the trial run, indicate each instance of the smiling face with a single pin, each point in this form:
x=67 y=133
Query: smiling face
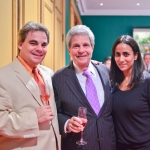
x=34 y=48
x=81 y=51
x=124 y=57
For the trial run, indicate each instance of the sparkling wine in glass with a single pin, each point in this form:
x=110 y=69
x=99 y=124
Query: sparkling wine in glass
x=82 y=114
x=45 y=97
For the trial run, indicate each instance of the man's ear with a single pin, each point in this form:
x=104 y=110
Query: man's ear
x=93 y=47
x=69 y=50
x=20 y=45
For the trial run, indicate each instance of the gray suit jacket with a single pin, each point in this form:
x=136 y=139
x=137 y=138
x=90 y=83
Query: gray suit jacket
x=99 y=131
x=19 y=97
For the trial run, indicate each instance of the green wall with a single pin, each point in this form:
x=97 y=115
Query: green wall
x=107 y=28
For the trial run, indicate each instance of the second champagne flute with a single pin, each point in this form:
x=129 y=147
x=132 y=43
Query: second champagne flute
x=82 y=114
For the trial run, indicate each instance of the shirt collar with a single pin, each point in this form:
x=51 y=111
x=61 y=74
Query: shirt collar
x=90 y=68
x=27 y=67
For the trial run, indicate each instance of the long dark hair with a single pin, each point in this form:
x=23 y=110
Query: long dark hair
x=116 y=75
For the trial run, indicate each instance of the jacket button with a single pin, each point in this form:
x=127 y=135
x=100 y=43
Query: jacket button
x=98 y=139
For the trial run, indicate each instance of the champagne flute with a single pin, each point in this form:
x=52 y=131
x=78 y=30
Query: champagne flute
x=45 y=98
x=82 y=114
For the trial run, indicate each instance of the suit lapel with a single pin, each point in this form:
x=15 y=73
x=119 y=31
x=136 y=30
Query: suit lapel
x=104 y=80
x=27 y=80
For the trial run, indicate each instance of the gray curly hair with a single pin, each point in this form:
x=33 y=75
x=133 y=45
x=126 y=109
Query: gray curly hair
x=79 y=30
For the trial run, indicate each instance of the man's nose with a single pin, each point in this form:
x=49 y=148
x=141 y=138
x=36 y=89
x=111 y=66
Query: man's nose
x=39 y=48
x=81 y=49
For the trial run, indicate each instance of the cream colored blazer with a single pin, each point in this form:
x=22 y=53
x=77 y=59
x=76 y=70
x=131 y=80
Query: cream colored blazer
x=19 y=97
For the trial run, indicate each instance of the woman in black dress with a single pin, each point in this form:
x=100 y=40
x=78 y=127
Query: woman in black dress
x=131 y=95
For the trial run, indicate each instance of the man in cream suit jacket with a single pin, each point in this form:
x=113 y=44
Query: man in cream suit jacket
x=26 y=123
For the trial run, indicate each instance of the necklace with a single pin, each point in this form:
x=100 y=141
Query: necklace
x=127 y=84
x=127 y=81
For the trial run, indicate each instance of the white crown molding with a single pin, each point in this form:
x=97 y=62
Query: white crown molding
x=126 y=11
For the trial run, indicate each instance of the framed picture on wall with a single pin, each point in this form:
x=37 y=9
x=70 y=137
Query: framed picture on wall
x=142 y=37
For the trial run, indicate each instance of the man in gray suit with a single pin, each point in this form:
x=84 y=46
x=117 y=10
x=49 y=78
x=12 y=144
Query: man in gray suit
x=25 y=122
x=70 y=92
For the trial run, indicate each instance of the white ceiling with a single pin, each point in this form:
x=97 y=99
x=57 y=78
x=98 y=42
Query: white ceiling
x=114 y=7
